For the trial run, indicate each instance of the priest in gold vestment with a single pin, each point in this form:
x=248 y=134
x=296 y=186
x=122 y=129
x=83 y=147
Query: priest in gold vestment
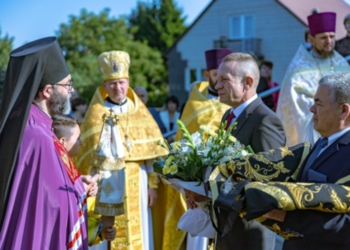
x=203 y=106
x=136 y=135
x=302 y=76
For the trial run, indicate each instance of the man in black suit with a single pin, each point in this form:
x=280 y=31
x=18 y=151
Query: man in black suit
x=257 y=126
x=328 y=162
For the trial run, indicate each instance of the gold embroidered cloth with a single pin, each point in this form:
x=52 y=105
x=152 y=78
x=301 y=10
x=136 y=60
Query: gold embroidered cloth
x=269 y=188
x=144 y=135
x=200 y=110
x=263 y=197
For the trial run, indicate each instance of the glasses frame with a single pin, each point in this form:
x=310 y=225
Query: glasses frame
x=69 y=85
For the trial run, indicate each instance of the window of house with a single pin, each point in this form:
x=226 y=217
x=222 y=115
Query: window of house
x=242 y=26
x=193 y=75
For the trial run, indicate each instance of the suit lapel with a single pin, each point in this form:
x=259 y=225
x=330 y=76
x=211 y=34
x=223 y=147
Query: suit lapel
x=224 y=118
x=333 y=148
x=243 y=117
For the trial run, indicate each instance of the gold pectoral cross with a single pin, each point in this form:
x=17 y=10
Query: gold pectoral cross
x=111 y=116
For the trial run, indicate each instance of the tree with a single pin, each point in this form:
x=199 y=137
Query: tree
x=5 y=49
x=158 y=24
x=86 y=36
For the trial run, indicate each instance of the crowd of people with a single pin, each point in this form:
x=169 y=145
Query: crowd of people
x=81 y=177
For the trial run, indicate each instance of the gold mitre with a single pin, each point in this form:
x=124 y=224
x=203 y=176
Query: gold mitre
x=114 y=65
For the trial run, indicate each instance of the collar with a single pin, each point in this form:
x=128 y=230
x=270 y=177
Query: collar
x=238 y=111
x=337 y=135
x=36 y=105
x=119 y=104
x=212 y=92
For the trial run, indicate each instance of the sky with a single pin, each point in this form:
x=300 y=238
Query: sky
x=30 y=20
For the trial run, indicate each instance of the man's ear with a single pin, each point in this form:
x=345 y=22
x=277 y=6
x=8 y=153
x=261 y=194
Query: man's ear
x=345 y=112
x=46 y=92
x=206 y=74
x=249 y=81
x=311 y=39
x=63 y=141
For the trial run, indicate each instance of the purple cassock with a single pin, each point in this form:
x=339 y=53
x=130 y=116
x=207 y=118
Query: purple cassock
x=46 y=207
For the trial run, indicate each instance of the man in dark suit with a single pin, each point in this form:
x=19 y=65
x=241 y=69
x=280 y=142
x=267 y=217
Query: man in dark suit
x=257 y=126
x=328 y=162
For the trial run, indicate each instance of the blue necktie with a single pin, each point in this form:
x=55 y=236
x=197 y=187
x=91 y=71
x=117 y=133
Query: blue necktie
x=320 y=145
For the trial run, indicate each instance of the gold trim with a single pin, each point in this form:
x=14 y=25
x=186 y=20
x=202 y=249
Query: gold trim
x=104 y=163
x=276 y=228
x=212 y=183
x=343 y=180
x=306 y=151
x=109 y=209
x=284 y=200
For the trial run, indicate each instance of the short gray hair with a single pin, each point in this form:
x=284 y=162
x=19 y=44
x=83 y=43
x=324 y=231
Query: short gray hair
x=339 y=84
x=247 y=65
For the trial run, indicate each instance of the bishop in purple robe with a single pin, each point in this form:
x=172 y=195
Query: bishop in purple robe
x=42 y=198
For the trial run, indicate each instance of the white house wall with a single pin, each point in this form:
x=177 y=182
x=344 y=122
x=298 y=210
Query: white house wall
x=280 y=31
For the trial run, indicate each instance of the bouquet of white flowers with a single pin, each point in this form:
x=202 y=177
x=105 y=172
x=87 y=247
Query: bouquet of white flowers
x=189 y=157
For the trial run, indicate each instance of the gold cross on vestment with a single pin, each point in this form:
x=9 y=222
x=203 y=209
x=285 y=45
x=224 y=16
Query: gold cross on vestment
x=112 y=116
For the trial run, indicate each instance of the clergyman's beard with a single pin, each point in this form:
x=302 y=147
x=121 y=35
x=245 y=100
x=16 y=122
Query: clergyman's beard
x=212 y=84
x=58 y=104
x=324 y=53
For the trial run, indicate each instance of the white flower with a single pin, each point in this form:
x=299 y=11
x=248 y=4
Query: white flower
x=186 y=149
x=244 y=152
x=204 y=152
x=196 y=137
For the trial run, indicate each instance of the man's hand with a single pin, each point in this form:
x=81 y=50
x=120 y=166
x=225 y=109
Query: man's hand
x=152 y=196
x=108 y=233
x=190 y=203
x=90 y=184
x=195 y=197
x=275 y=214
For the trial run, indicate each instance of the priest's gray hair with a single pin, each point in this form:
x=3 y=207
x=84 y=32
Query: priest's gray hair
x=339 y=84
x=247 y=65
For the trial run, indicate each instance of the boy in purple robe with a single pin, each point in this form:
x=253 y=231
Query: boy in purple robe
x=42 y=198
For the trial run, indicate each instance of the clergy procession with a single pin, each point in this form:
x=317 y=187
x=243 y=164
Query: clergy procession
x=245 y=163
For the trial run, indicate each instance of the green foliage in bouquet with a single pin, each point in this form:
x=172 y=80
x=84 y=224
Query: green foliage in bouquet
x=189 y=157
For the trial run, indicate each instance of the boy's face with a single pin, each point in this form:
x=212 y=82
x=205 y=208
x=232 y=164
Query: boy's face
x=73 y=142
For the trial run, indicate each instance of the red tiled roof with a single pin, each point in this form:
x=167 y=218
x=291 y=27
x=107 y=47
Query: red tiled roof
x=302 y=8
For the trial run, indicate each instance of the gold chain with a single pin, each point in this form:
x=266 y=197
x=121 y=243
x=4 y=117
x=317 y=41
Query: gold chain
x=127 y=143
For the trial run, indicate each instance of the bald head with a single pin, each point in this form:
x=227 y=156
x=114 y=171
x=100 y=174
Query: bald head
x=141 y=92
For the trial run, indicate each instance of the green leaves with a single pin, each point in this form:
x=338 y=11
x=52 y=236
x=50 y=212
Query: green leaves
x=186 y=134
x=158 y=25
x=84 y=37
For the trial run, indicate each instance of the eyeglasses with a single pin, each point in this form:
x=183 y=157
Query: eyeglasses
x=69 y=85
